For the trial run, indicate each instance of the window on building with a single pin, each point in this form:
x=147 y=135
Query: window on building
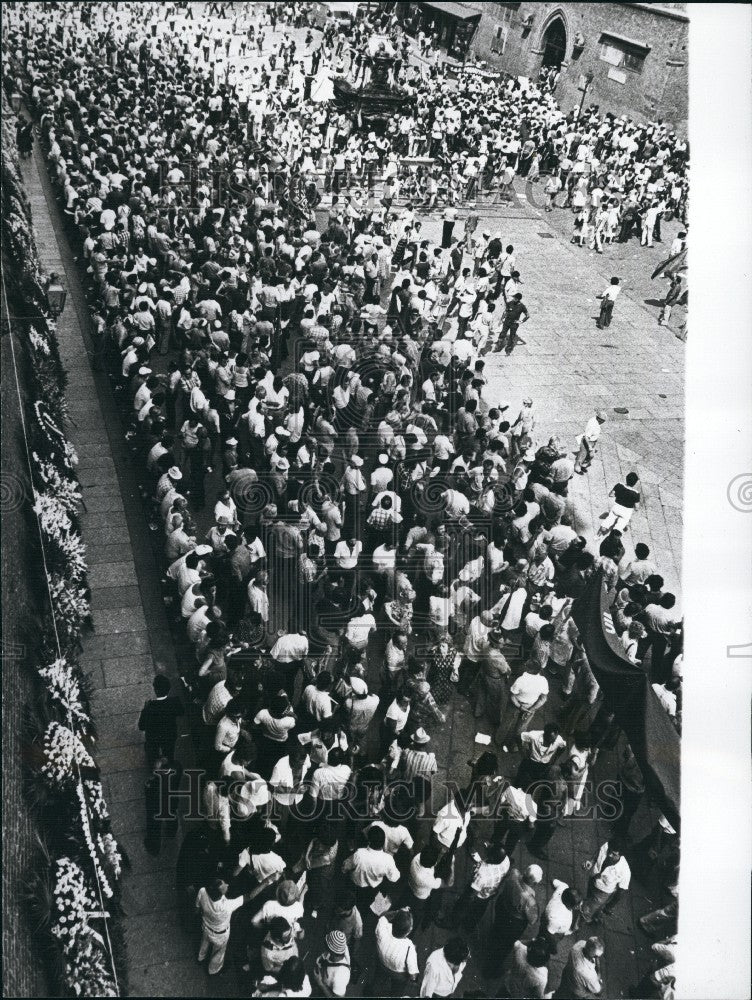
x=622 y=53
x=508 y=10
x=499 y=42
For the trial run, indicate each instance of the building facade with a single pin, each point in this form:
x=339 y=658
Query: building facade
x=628 y=58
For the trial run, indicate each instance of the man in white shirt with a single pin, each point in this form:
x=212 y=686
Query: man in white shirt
x=610 y=878
x=648 y=224
x=288 y=904
x=543 y=747
x=382 y=476
x=528 y=693
x=317 y=701
x=444 y=968
x=561 y=915
x=289 y=651
x=608 y=298
x=582 y=973
x=449 y=819
x=455 y=503
x=397 y=954
x=589 y=442
x=369 y=866
x=358 y=631
x=476 y=646
x=346 y=554
x=329 y=781
x=486 y=879
x=397 y=837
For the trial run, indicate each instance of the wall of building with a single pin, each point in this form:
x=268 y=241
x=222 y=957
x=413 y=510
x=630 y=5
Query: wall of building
x=20 y=564
x=658 y=91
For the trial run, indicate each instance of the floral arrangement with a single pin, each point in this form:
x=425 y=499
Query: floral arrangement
x=87 y=971
x=64 y=756
x=64 y=688
x=80 y=861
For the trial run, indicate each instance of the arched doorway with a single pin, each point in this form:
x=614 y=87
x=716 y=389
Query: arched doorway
x=554 y=43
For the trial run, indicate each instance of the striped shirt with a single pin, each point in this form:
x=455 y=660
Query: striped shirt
x=418 y=762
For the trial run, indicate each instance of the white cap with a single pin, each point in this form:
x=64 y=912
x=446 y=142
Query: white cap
x=534 y=873
x=358 y=685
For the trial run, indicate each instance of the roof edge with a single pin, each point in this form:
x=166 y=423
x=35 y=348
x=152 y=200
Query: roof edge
x=660 y=11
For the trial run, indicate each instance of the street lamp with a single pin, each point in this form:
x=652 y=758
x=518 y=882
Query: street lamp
x=15 y=101
x=587 y=79
x=56 y=296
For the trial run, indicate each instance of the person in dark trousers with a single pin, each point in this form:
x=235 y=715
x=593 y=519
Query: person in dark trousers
x=550 y=797
x=516 y=313
x=448 y=220
x=158 y=721
x=608 y=298
x=516 y=910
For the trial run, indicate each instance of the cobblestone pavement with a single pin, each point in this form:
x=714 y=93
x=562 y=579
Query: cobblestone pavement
x=570 y=368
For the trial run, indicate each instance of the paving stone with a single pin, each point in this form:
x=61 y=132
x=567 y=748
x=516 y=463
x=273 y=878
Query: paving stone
x=157 y=941
x=127 y=670
x=100 y=447
x=112 y=521
x=92 y=667
x=103 y=503
x=117 y=534
x=117 y=620
x=102 y=489
x=122 y=758
x=114 y=574
x=154 y=893
x=118 y=731
x=97 y=476
x=107 y=646
x=175 y=978
x=105 y=598
x=119 y=700
x=141 y=860
x=96 y=463
x=125 y=786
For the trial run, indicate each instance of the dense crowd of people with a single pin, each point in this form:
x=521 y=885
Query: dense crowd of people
x=378 y=538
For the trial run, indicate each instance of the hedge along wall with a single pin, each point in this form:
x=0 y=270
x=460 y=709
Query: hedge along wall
x=72 y=876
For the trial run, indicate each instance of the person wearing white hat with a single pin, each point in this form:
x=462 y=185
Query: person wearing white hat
x=418 y=760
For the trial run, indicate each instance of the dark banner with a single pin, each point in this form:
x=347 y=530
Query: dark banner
x=627 y=692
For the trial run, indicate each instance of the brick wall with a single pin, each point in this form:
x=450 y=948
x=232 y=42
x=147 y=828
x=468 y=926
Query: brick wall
x=22 y=972
x=19 y=558
x=658 y=91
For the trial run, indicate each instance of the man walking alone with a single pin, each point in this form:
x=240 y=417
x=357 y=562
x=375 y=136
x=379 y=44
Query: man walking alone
x=608 y=298
x=516 y=313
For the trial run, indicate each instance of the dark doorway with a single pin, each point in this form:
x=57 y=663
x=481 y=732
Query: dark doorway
x=554 y=43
